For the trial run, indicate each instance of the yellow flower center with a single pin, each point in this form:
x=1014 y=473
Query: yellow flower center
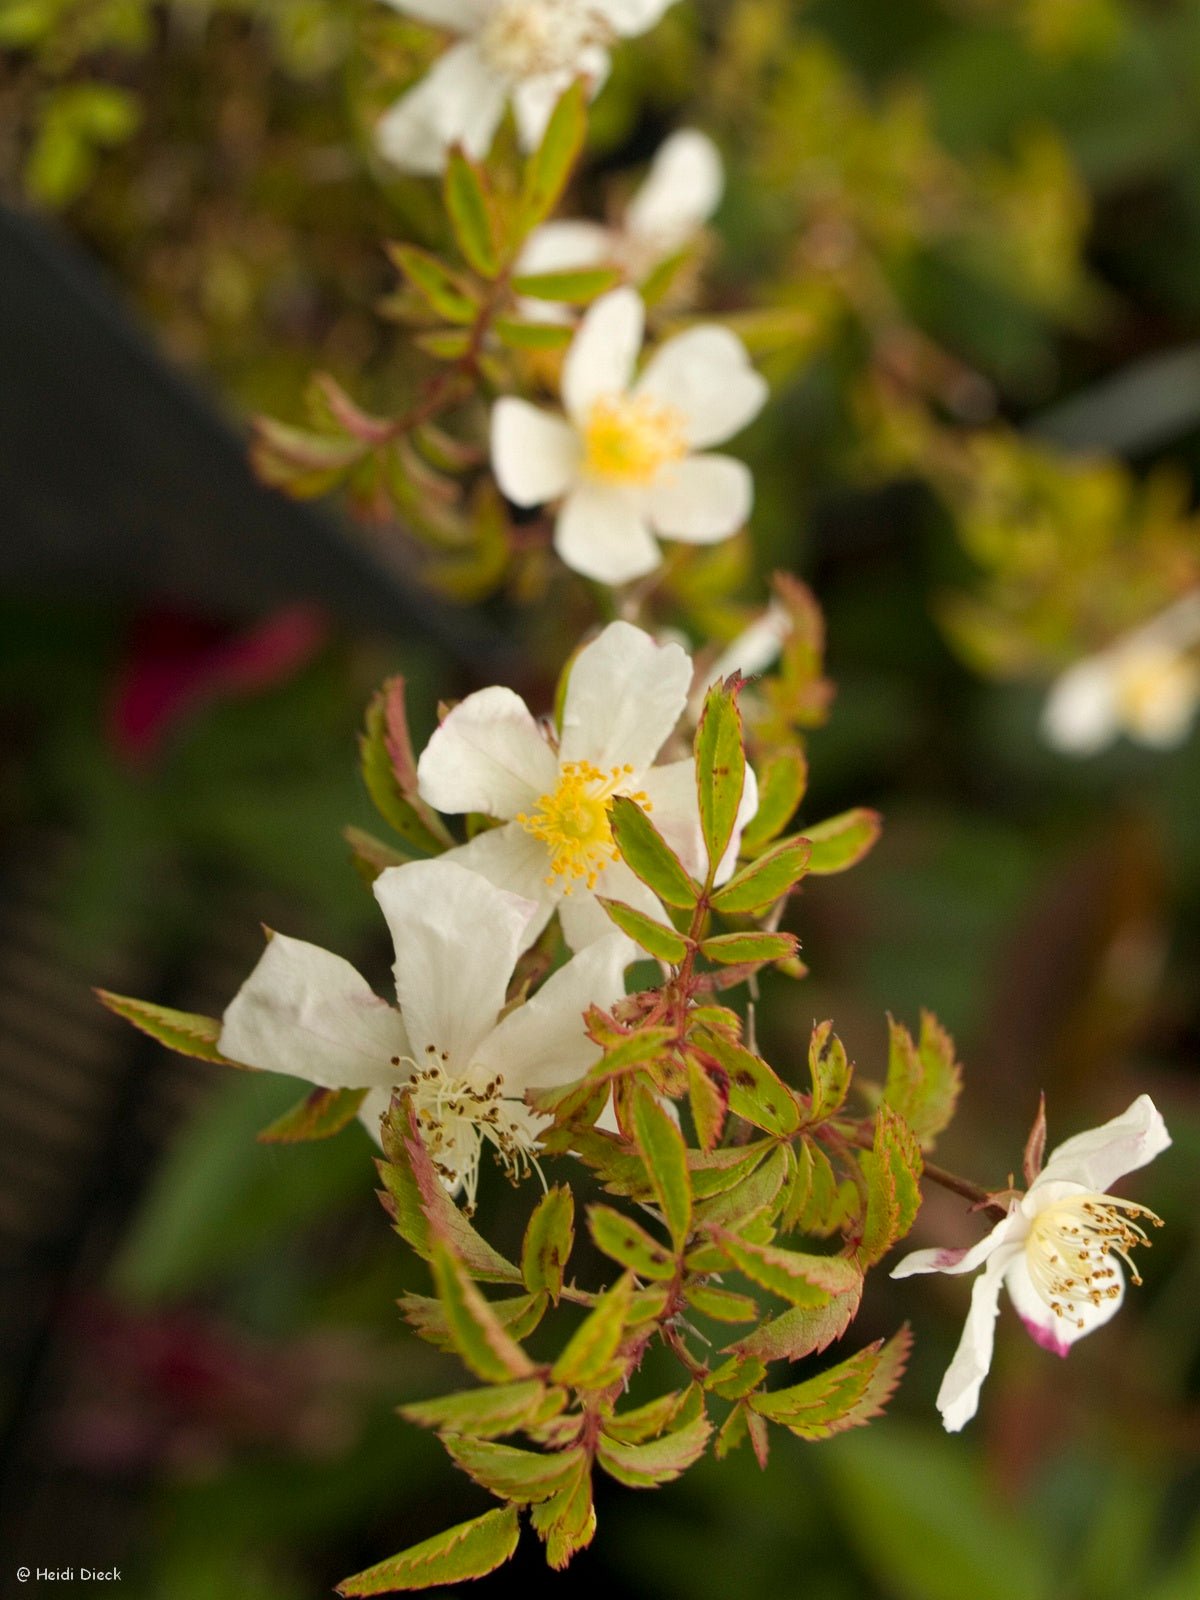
x=573 y=822
x=1069 y=1248
x=526 y=38
x=629 y=438
x=1156 y=687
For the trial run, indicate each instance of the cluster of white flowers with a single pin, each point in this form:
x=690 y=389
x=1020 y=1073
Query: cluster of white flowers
x=1146 y=685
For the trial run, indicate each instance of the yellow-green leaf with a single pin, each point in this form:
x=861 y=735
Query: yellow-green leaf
x=549 y=1240
x=720 y=768
x=182 y=1031
x=653 y=936
x=468 y=207
x=767 y=879
x=661 y=1144
x=319 y=1115
x=470 y=1550
x=842 y=841
x=629 y=1243
x=650 y=856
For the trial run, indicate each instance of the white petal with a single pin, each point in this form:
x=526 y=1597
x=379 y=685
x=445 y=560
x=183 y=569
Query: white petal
x=584 y=920
x=373 y=1110
x=487 y=755
x=958 y=1397
x=602 y=533
x=307 y=1013
x=1052 y=1332
x=457 y=939
x=701 y=499
x=624 y=696
x=459 y=16
x=706 y=374
x=536 y=456
x=630 y=17
x=566 y=247
x=675 y=810
x=601 y=359
x=1097 y=1158
x=1080 y=714
x=681 y=191
x=1011 y=1228
x=534 y=99
x=459 y=101
x=543 y=1042
x=514 y=860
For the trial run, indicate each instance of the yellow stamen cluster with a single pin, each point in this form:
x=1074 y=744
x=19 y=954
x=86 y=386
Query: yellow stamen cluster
x=456 y=1116
x=573 y=822
x=1069 y=1248
x=629 y=438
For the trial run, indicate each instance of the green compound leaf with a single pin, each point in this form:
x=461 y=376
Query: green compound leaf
x=467 y=205
x=765 y=880
x=522 y=1476
x=518 y=1315
x=708 y=1097
x=576 y=288
x=484 y=1344
x=549 y=167
x=801 y=1330
x=757 y=1192
x=486 y=1413
x=732 y=949
x=923 y=1079
x=803 y=1279
x=549 y=1240
x=382 y=752
x=646 y=1466
x=654 y=937
x=842 y=841
x=416 y=1200
x=650 y=856
x=755 y=1092
x=587 y=1360
x=442 y=289
x=471 y=1550
x=846 y=1396
x=319 y=1115
x=566 y=1522
x=185 y=1032
x=644 y=1422
x=781 y=786
x=720 y=768
x=661 y=1144
x=519 y=334
x=722 y=1305
x=893 y=1171
x=629 y=1243
x=830 y=1072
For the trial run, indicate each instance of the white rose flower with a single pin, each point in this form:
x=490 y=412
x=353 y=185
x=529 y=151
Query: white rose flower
x=624 y=697
x=309 y=1014
x=1146 y=685
x=680 y=193
x=622 y=459
x=1056 y=1252
x=526 y=51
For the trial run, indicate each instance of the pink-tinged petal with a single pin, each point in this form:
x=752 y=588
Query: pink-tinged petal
x=602 y=533
x=701 y=499
x=543 y=1042
x=514 y=860
x=309 y=1014
x=631 y=17
x=1012 y=1228
x=681 y=191
x=487 y=755
x=601 y=359
x=1080 y=714
x=457 y=939
x=1097 y=1158
x=706 y=374
x=536 y=456
x=958 y=1397
x=1052 y=1332
x=624 y=697
x=460 y=100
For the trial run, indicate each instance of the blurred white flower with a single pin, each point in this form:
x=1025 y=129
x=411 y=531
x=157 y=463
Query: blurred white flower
x=1146 y=685
x=622 y=459
x=680 y=193
x=526 y=51
x=757 y=647
x=1056 y=1252
x=309 y=1014
x=555 y=847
